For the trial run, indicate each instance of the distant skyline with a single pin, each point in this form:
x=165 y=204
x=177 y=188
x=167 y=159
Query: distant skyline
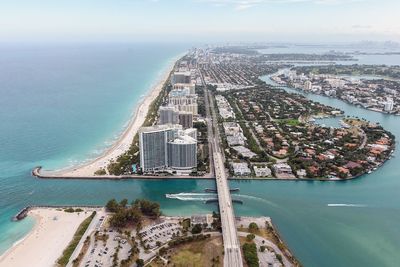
x=200 y=20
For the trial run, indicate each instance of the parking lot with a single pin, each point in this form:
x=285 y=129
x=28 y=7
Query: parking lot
x=162 y=232
x=101 y=252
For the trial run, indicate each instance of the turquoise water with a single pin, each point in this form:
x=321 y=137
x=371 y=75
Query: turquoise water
x=59 y=105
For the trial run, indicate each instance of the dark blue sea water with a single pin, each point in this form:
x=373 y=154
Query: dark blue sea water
x=63 y=104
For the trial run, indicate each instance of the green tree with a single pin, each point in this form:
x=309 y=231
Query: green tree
x=250 y=237
x=112 y=205
x=140 y=263
x=196 y=229
x=253 y=227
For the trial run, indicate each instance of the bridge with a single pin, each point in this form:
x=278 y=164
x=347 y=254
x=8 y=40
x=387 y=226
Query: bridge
x=232 y=253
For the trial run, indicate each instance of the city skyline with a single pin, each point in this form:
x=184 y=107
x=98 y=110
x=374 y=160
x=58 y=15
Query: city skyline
x=200 y=20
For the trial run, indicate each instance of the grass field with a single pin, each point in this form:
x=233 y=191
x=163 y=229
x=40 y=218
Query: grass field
x=195 y=254
x=291 y=122
x=198 y=254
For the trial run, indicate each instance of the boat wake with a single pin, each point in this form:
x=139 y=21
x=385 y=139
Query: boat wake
x=210 y=196
x=192 y=196
x=254 y=198
x=346 y=205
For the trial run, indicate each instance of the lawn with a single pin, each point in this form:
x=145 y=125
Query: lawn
x=291 y=122
x=197 y=254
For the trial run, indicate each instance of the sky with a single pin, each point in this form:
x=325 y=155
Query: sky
x=200 y=20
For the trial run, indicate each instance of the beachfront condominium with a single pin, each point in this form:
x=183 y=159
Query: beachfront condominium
x=167 y=148
x=183 y=100
x=185 y=86
x=153 y=146
x=182 y=153
x=172 y=115
x=168 y=115
x=181 y=77
x=185 y=119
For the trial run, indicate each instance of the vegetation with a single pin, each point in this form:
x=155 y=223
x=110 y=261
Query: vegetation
x=186 y=224
x=207 y=252
x=63 y=260
x=76 y=262
x=133 y=214
x=250 y=254
x=196 y=229
x=250 y=237
x=355 y=69
x=139 y=263
x=290 y=122
x=72 y=210
x=253 y=227
x=100 y=172
x=187 y=239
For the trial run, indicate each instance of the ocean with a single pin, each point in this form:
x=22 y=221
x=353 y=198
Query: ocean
x=63 y=104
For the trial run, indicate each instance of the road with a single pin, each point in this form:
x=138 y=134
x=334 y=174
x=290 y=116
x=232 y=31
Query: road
x=232 y=253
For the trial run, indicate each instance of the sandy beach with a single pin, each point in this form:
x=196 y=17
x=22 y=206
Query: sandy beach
x=124 y=141
x=45 y=243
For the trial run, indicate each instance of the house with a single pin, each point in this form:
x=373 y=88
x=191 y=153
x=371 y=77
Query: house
x=240 y=168
x=262 y=171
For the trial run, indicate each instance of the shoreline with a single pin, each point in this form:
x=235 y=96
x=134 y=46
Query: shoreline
x=124 y=141
x=54 y=228
x=44 y=243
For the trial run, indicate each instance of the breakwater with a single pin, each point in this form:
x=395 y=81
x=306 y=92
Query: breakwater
x=24 y=212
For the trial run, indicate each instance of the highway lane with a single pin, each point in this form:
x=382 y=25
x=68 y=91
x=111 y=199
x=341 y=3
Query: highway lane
x=232 y=252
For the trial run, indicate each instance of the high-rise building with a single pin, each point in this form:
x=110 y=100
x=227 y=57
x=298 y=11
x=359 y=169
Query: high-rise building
x=167 y=147
x=183 y=101
x=182 y=153
x=389 y=104
x=307 y=86
x=181 y=77
x=153 y=146
x=186 y=119
x=168 y=115
x=185 y=86
x=172 y=115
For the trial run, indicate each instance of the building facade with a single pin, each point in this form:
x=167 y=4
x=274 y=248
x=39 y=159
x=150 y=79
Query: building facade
x=153 y=146
x=168 y=115
x=167 y=148
x=182 y=153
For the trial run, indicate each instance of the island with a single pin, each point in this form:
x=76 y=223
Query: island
x=375 y=88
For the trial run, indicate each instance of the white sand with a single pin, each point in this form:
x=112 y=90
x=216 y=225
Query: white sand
x=46 y=241
x=123 y=143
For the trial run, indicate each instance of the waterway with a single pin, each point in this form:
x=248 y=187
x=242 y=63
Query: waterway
x=56 y=104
